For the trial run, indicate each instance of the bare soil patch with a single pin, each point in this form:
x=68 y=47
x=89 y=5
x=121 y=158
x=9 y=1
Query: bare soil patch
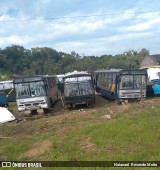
x=86 y=143
x=38 y=149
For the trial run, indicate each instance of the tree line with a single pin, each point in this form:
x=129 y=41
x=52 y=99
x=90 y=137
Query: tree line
x=18 y=60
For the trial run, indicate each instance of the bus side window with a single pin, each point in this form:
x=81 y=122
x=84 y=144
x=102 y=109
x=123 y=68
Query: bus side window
x=1 y=86
x=109 y=78
x=98 y=76
x=111 y=74
x=114 y=78
x=101 y=77
x=106 y=77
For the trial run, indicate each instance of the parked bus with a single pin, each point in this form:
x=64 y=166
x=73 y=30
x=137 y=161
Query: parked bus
x=8 y=89
x=154 y=79
x=36 y=92
x=156 y=86
x=121 y=84
x=78 y=88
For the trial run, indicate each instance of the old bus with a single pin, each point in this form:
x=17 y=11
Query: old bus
x=36 y=92
x=121 y=84
x=154 y=78
x=78 y=88
x=8 y=89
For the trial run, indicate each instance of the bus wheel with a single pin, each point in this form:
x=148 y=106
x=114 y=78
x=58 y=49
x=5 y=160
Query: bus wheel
x=69 y=106
x=46 y=111
x=126 y=101
x=117 y=102
x=90 y=104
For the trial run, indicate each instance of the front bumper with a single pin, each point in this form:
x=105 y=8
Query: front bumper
x=80 y=99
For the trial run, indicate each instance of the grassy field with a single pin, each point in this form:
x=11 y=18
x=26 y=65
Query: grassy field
x=132 y=133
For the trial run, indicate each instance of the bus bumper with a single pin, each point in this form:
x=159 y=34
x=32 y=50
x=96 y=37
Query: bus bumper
x=80 y=99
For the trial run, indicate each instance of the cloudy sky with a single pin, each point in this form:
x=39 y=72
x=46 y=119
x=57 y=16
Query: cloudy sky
x=89 y=27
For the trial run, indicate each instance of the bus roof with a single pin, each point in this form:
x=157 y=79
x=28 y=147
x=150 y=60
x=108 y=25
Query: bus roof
x=7 y=81
x=32 y=78
x=76 y=72
x=60 y=75
x=123 y=71
x=110 y=71
x=77 y=75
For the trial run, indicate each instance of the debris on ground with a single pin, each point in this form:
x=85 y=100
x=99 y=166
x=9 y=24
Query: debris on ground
x=106 y=116
x=5 y=115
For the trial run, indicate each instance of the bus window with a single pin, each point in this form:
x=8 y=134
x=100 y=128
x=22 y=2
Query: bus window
x=109 y=78
x=114 y=77
x=143 y=81
x=31 y=89
x=37 y=88
x=158 y=74
x=156 y=81
x=22 y=90
x=127 y=82
x=99 y=77
x=106 y=76
x=111 y=75
x=139 y=81
x=1 y=86
x=7 y=85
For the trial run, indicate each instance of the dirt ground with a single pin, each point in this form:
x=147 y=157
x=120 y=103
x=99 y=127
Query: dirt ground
x=37 y=149
x=103 y=105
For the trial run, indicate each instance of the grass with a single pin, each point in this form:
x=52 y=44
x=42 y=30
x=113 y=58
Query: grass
x=74 y=136
x=125 y=138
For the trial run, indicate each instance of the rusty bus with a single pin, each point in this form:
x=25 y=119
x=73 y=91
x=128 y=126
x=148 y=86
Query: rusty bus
x=36 y=92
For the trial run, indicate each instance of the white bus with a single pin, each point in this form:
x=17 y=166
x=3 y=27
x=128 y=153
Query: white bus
x=36 y=92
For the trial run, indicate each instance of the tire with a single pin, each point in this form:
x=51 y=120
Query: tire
x=90 y=104
x=46 y=111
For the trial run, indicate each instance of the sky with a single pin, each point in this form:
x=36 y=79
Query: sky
x=92 y=27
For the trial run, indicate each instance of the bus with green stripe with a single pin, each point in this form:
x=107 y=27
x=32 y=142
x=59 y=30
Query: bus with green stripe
x=121 y=85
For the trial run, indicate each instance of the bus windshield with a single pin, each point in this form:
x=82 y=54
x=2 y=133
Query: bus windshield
x=6 y=85
x=78 y=86
x=156 y=81
x=30 y=89
x=133 y=81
